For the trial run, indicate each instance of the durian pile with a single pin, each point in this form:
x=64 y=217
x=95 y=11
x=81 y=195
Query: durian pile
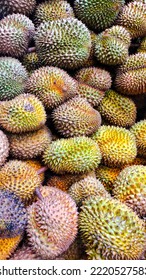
x=72 y=130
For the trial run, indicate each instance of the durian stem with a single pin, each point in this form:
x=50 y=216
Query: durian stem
x=42 y=170
x=32 y=49
x=38 y=193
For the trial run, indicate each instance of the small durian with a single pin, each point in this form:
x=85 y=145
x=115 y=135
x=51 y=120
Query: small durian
x=117 y=145
x=23 y=113
x=76 y=117
x=52 y=223
x=72 y=155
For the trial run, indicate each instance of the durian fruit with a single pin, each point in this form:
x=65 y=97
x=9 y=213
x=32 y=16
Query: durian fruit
x=117 y=145
x=72 y=155
x=76 y=117
x=52 y=10
x=8 y=246
x=91 y=59
x=117 y=109
x=93 y=95
x=130 y=188
x=133 y=18
x=64 y=43
x=139 y=161
x=52 y=86
x=16 y=31
x=131 y=75
x=142 y=47
x=13 y=76
x=24 y=253
x=31 y=62
x=24 y=113
x=95 y=77
x=20 y=178
x=107 y=176
x=110 y=230
x=37 y=165
x=13 y=216
x=64 y=181
x=75 y=251
x=52 y=223
x=97 y=14
x=17 y=6
x=139 y=131
x=4 y=148
x=111 y=46
x=87 y=187
x=29 y=145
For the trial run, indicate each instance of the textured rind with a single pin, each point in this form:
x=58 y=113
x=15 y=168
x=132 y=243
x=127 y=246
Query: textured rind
x=52 y=223
x=107 y=176
x=133 y=18
x=72 y=155
x=117 y=109
x=76 y=117
x=63 y=43
x=13 y=76
x=142 y=47
x=24 y=253
x=93 y=95
x=17 y=6
x=110 y=230
x=37 y=165
x=97 y=15
x=74 y=252
x=87 y=187
x=8 y=246
x=24 y=113
x=53 y=10
x=130 y=188
x=139 y=131
x=117 y=145
x=131 y=75
x=16 y=31
x=4 y=148
x=31 y=61
x=52 y=86
x=29 y=145
x=95 y=77
x=111 y=46
x=13 y=216
x=20 y=178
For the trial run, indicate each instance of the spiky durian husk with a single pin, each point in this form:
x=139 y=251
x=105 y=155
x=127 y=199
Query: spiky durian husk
x=4 y=148
x=13 y=76
x=24 y=113
x=130 y=188
x=93 y=95
x=139 y=131
x=117 y=109
x=17 y=6
x=52 y=223
x=24 y=253
x=117 y=145
x=29 y=145
x=52 y=86
x=131 y=75
x=31 y=62
x=53 y=10
x=8 y=246
x=16 y=31
x=72 y=155
x=13 y=217
x=133 y=18
x=64 y=43
x=107 y=176
x=111 y=230
x=95 y=77
x=76 y=117
x=87 y=187
x=111 y=46
x=20 y=178
x=97 y=15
